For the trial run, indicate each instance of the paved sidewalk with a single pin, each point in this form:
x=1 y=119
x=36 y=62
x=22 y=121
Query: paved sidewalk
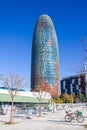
x=50 y=121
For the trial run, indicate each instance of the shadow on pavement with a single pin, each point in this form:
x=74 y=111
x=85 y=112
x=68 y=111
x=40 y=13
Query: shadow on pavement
x=65 y=122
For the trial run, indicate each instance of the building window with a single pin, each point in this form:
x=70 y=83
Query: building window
x=79 y=81
x=73 y=81
x=64 y=83
x=77 y=87
x=71 y=88
x=65 y=91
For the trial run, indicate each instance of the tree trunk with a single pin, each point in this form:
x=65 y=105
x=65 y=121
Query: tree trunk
x=53 y=107
x=12 y=112
x=40 y=108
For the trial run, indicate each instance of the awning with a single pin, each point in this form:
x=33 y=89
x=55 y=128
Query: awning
x=24 y=99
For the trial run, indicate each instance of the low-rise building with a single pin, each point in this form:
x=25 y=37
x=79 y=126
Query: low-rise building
x=76 y=84
x=26 y=98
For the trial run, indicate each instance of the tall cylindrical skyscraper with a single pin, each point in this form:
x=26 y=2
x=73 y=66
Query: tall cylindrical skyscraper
x=45 y=57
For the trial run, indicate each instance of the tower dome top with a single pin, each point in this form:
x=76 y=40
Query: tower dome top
x=44 y=18
x=45 y=15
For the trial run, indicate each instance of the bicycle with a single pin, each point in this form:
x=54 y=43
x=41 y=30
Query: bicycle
x=75 y=115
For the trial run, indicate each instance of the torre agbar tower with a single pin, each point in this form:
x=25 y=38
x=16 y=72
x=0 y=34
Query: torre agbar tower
x=45 y=58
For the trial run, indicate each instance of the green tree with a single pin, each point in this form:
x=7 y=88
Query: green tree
x=62 y=98
x=82 y=98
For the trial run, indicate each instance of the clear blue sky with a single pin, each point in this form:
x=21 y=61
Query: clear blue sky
x=17 y=22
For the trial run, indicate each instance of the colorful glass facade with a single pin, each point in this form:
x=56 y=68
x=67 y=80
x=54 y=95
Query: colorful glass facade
x=45 y=61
